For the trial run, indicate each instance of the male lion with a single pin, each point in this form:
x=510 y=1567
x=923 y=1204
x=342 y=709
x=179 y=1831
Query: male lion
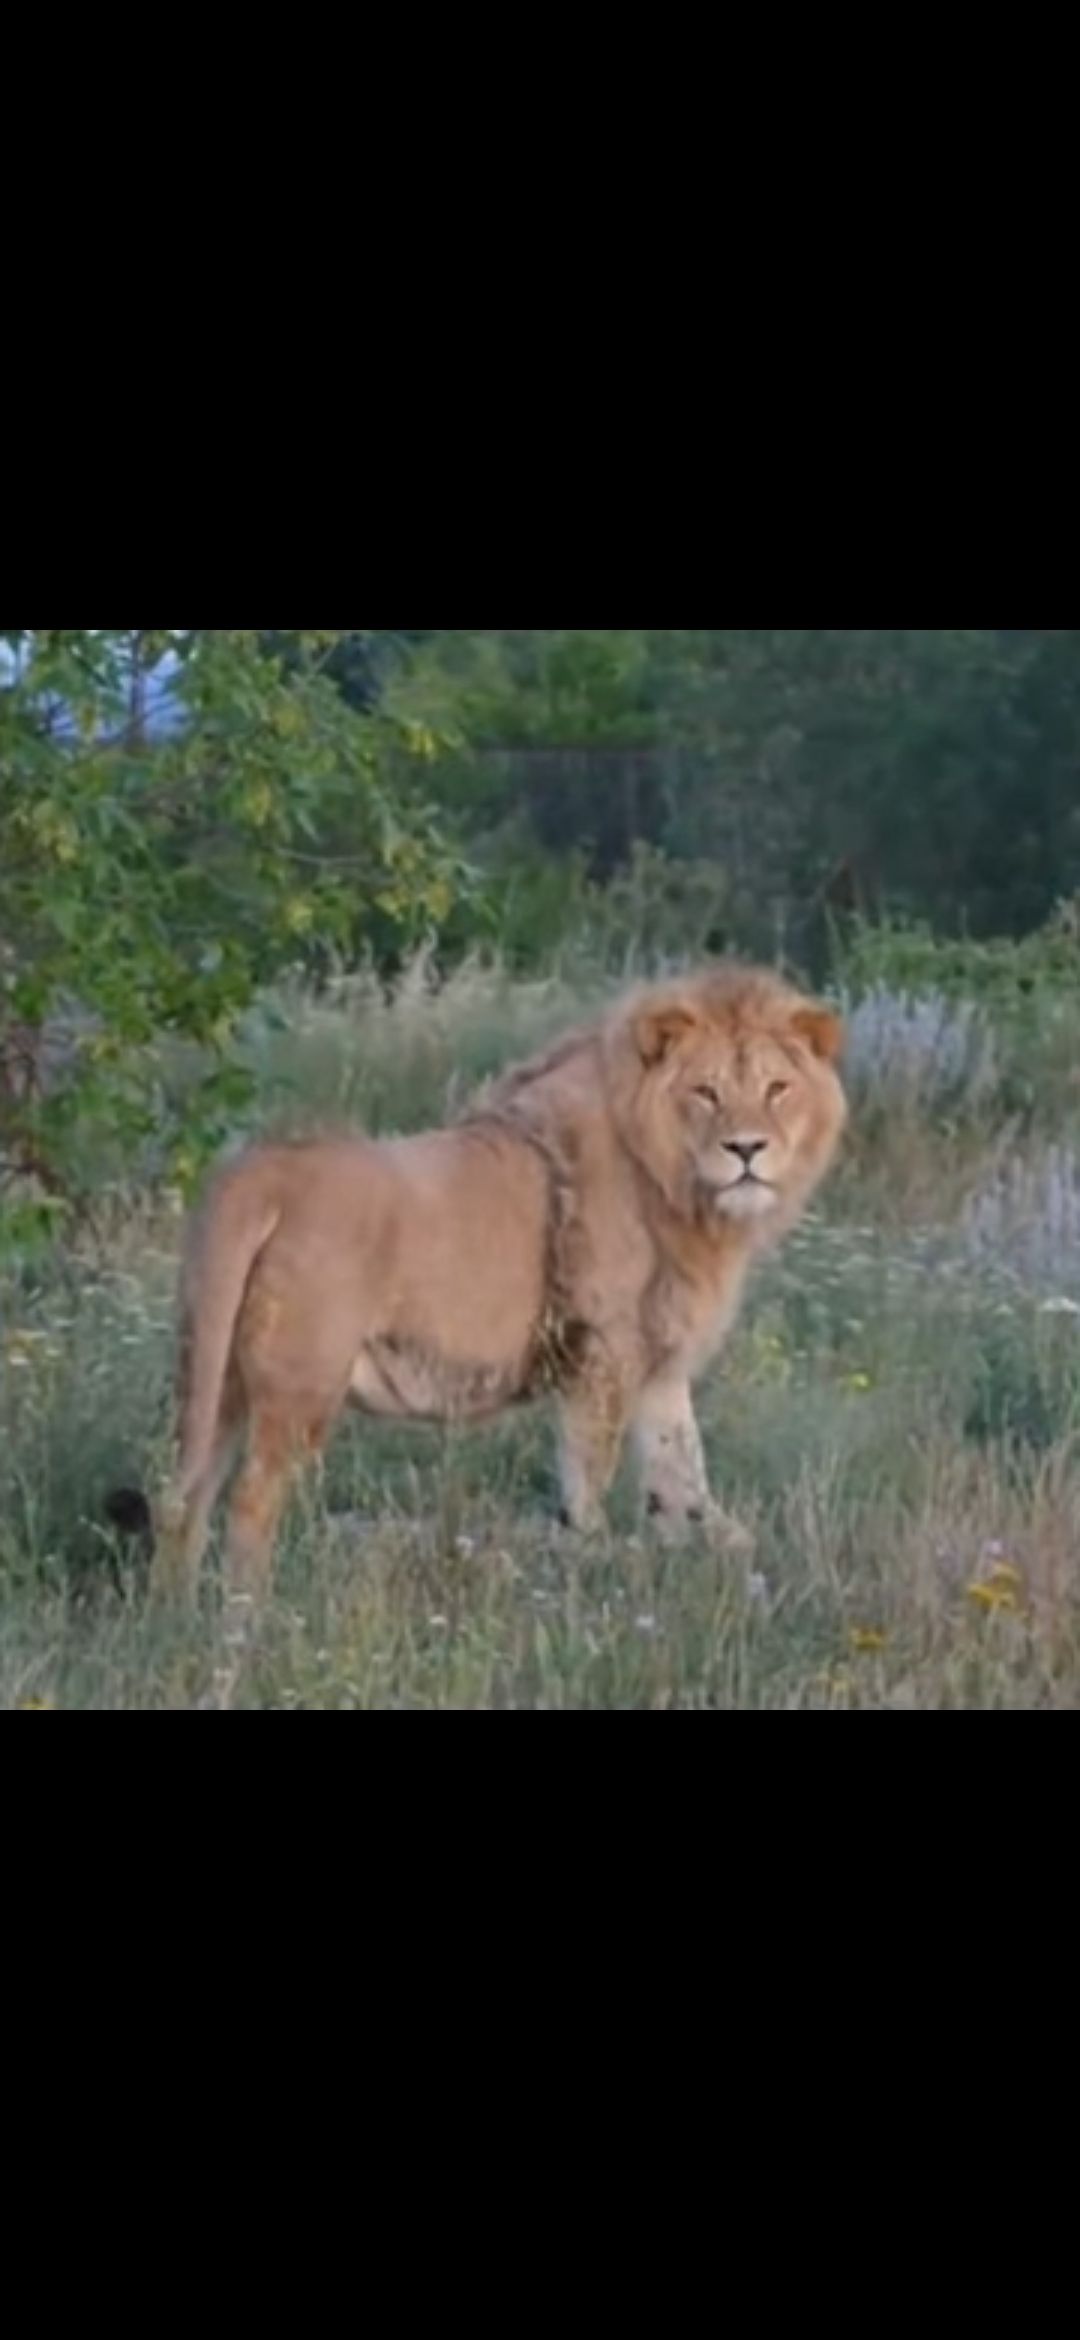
x=586 y=1232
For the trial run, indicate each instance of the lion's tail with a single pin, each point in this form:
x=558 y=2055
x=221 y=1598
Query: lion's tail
x=236 y=1225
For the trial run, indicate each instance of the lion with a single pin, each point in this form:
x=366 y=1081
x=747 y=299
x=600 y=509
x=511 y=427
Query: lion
x=584 y=1233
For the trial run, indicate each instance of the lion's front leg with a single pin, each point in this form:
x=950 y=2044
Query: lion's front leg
x=592 y=1421
x=671 y=1459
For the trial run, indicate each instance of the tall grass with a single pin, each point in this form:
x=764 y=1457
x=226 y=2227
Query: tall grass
x=360 y=1054
x=898 y=1417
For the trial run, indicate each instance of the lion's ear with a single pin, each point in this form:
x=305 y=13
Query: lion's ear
x=658 y=1030
x=822 y=1030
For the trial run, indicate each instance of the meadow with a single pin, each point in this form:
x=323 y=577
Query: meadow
x=898 y=1417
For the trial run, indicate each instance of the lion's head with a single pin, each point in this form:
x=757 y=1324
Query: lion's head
x=727 y=1091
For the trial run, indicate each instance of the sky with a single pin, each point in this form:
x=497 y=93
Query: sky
x=164 y=713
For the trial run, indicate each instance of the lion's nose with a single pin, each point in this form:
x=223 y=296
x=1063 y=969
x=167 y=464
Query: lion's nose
x=747 y=1149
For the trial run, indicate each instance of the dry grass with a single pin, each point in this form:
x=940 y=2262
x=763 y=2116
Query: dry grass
x=898 y=1415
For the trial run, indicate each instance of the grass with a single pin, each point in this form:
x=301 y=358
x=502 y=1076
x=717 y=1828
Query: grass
x=898 y=1416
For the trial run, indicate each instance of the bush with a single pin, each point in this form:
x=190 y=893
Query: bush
x=998 y=1019
x=154 y=880
x=916 y=1056
x=1014 y=983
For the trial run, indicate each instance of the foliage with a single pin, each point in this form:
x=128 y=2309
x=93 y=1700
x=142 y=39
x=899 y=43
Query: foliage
x=933 y=771
x=1008 y=978
x=151 y=883
x=653 y=911
x=630 y=795
x=960 y=1029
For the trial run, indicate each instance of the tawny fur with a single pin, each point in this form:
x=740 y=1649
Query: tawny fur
x=585 y=1232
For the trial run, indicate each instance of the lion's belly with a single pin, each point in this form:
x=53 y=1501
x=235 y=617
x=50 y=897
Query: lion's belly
x=398 y=1380
x=453 y=1296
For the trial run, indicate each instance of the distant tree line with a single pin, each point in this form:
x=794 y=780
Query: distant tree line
x=934 y=771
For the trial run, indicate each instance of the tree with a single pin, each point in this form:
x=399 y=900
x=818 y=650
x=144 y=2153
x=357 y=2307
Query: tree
x=153 y=875
x=935 y=770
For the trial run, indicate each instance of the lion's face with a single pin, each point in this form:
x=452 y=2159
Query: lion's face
x=739 y=1098
x=749 y=1114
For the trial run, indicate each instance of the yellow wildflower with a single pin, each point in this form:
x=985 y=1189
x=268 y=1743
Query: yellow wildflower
x=992 y=1596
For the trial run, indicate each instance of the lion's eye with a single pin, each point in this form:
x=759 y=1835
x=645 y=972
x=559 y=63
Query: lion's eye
x=778 y=1091
x=709 y=1096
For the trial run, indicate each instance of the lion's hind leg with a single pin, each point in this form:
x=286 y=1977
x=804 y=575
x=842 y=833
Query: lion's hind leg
x=184 y=1516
